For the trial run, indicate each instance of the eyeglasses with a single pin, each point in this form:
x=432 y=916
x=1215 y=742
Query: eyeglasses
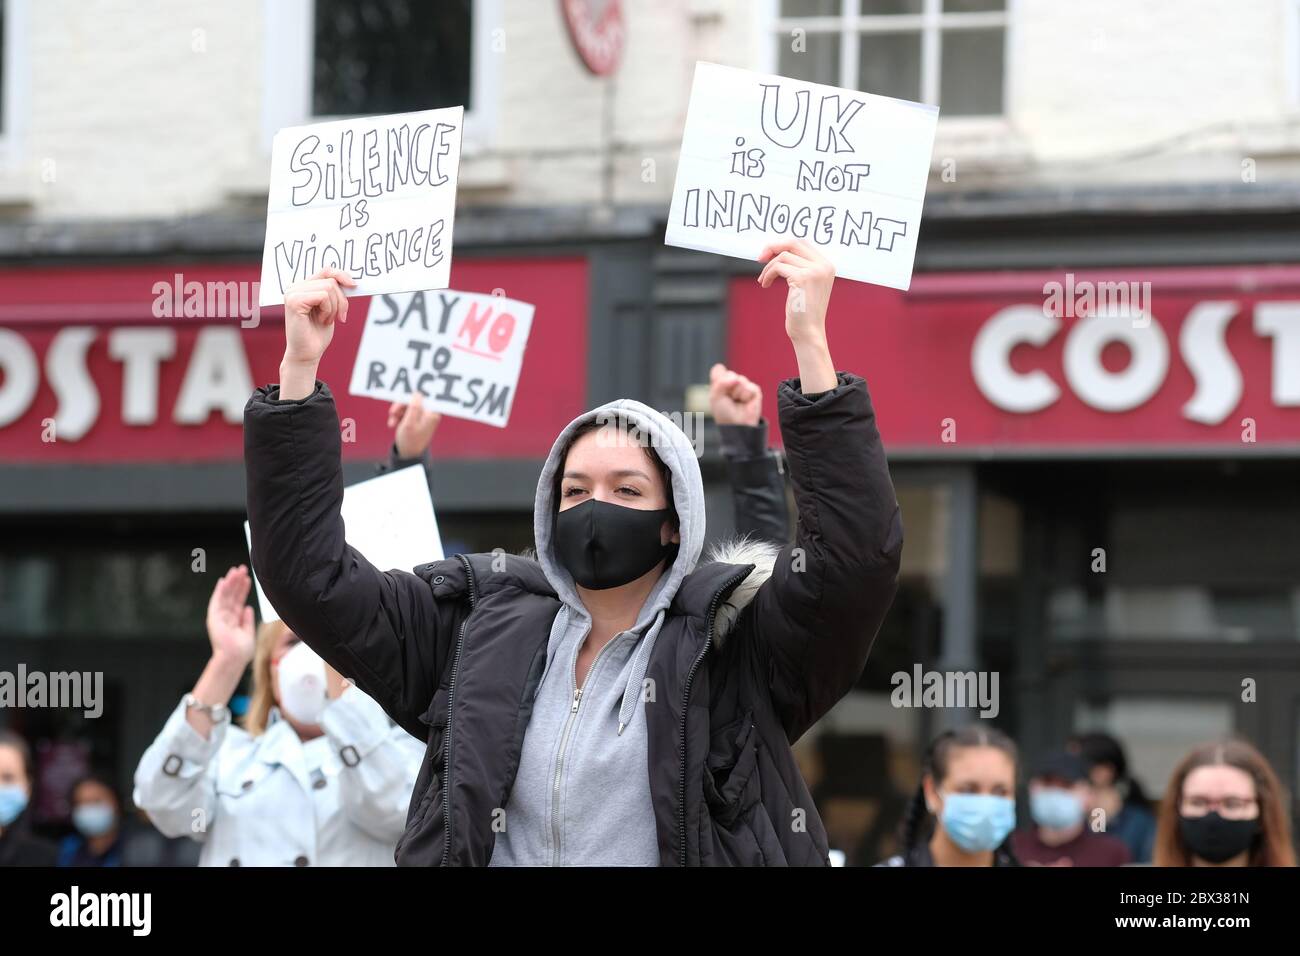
x=1227 y=806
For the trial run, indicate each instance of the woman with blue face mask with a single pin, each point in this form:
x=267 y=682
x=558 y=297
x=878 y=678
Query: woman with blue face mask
x=97 y=818
x=18 y=845
x=965 y=807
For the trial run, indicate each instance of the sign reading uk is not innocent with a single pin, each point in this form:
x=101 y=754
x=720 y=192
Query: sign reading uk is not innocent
x=374 y=197
x=766 y=157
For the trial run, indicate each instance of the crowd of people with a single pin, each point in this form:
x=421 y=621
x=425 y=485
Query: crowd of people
x=437 y=716
x=1222 y=806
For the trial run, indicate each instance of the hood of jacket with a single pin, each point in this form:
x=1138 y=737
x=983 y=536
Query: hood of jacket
x=678 y=454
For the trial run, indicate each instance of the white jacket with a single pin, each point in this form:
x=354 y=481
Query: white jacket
x=273 y=800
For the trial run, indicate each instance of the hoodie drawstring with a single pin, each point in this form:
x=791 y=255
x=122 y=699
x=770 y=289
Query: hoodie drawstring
x=636 y=676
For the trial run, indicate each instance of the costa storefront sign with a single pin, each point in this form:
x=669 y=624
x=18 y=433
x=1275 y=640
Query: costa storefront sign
x=1006 y=362
x=93 y=369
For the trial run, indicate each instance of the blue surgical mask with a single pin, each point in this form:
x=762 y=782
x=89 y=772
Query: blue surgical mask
x=94 y=819
x=13 y=801
x=978 y=821
x=1055 y=808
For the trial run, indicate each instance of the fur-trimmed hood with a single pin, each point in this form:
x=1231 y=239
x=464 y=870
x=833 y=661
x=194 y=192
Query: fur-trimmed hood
x=762 y=555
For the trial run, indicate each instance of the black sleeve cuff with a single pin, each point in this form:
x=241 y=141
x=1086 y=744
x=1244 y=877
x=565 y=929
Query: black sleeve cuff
x=740 y=442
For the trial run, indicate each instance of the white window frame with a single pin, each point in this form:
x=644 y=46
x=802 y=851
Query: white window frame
x=1291 y=58
x=851 y=23
x=288 y=40
x=16 y=84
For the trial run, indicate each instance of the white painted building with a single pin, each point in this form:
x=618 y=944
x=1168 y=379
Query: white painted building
x=138 y=110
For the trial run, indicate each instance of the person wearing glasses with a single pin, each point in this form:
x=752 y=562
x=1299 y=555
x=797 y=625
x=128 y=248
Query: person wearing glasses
x=1224 y=806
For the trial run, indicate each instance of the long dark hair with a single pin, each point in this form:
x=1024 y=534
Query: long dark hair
x=918 y=823
x=1271 y=848
x=1097 y=748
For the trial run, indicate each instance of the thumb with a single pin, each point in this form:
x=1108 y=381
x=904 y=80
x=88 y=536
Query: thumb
x=717 y=371
x=246 y=618
x=395 y=411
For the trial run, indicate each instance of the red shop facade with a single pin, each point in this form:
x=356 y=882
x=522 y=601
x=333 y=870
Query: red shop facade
x=1102 y=508
x=1100 y=511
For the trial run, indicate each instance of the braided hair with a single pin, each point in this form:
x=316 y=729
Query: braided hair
x=918 y=823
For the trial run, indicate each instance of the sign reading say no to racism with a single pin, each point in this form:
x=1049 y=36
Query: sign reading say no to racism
x=373 y=197
x=462 y=351
x=766 y=158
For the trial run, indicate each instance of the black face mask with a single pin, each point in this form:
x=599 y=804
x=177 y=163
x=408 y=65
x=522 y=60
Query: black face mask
x=606 y=546
x=1215 y=839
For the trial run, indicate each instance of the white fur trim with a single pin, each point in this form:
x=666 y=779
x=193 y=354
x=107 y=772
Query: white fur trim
x=762 y=555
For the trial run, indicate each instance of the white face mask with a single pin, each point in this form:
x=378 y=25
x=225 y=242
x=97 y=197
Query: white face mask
x=302 y=685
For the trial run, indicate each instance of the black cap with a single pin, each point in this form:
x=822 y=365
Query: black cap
x=1061 y=766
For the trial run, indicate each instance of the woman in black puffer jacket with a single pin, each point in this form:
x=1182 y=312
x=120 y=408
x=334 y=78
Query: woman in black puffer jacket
x=614 y=701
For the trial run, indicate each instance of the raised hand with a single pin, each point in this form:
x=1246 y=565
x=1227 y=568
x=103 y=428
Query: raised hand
x=230 y=619
x=733 y=398
x=311 y=308
x=415 y=426
x=809 y=275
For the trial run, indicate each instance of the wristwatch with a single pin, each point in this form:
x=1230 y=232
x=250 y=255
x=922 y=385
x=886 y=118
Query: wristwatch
x=217 y=713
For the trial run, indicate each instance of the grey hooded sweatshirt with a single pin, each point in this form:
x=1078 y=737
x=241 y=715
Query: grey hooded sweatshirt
x=582 y=793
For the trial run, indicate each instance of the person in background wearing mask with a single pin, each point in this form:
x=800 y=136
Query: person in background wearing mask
x=1059 y=798
x=627 y=706
x=18 y=845
x=317 y=775
x=754 y=471
x=97 y=817
x=1127 y=811
x=965 y=806
x=1224 y=806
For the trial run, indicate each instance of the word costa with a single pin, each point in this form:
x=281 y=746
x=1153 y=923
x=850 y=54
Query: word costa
x=217 y=376
x=1201 y=344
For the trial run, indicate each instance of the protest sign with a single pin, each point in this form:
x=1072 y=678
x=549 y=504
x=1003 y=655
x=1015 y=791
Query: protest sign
x=462 y=351
x=765 y=158
x=389 y=519
x=374 y=197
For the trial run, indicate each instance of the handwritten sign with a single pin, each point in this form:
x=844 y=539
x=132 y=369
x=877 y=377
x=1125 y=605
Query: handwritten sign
x=374 y=197
x=766 y=157
x=462 y=351
x=389 y=519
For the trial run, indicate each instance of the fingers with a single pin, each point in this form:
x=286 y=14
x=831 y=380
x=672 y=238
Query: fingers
x=798 y=247
x=322 y=297
x=745 y=391
x=338 y=275
x=778 y=267
x=240 y=586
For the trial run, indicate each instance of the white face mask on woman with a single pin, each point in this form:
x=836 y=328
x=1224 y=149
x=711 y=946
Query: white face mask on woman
x=301 y=680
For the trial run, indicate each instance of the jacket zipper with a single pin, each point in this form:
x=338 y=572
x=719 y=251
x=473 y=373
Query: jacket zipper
x=451 y=702
x=686 y=699
x=564 y=743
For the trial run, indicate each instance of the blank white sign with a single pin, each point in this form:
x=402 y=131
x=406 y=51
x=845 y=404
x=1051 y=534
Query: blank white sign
x=389 y=519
